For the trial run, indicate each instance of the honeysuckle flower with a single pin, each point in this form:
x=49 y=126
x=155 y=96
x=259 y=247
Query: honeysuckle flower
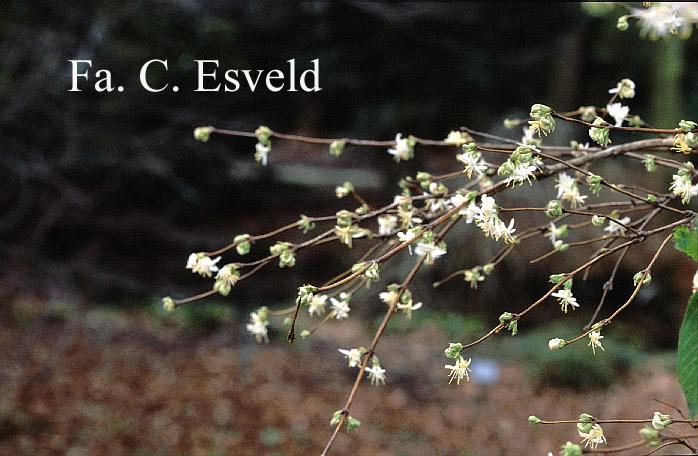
x=168 y=304
x=391 y=296
x=502 y=230
x=681 y=184
x=457 y=138
x=386 y=224
x=625 y=89
x=660 y=421
x=681 y=144
x=566 y=299
x=459 y=370
x=595 y=340
x=259 y=321
x=408 y=307
x=317 y=303
x=472 y=162
x=617 y=228
x=529 y=138
x=376 y=374
x=202 y=133
x=556 y=344
x=226 y=278
x=340 y=307
x=202 y=264
x=261 y=153
x=403 y=149
x=407 y=236
x=341 y=191
x=568 y=190
x=618 y=112
x=593 y=438
x=353 y=355
x=429 y=251
x=555 y=232
x=600 y=132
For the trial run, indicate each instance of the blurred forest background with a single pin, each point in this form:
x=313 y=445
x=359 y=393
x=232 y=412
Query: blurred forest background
x=103 y=196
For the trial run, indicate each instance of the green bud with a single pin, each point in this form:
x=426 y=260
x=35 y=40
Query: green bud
x=622 y=24
x=639 y=277
x=353 y=424
x=554 y=209
x=688 y=125
x=557 y=278
x=168 y=304
x=584 y=427
x=202 y=133
x=587 y=113
x=488 y=268
x=372 y=273
x=539 y=110
x=242 y=244
x=263 y=134
x=649 y=163
x=651 y=199
x=600 y=134
x=506 y=317
x=568 y=284
x=337 y=147
x=453 y=350
x=534 y=419
x=594 y=183
x=304 y=334
x=585 y=418
x=597 y=220
x=649 y=436
x=336 y=418
x=226 y=279
x=305 y=294
x=561 y=246
x=506 y=169
x=305 y=225
x=570 y=449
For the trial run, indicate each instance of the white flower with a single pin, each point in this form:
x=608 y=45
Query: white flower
x=695 y=283
x=595 y=340
x=456 y=138
x=681 y=186
x=555 y=233
x=353 y=355
x=340 y=307
x=436 y=204
x=258 y=326
x=389 y=297
x=593 y=438
x=202 y=264
x=617 y=228
x=660 y=421
x=407 y=236
x=376 y=374
x=472 y=161
x=565 y=299
x=402 y=150
x=567 y=190
x=261 y=153
x=429 y=251
x=386 y=224
x=408 y=307
x=618 y=112
x=524 y=172
x=459 y=370
x=316 y=306
x=555 y=344
x=529 y=136
x=503 y=231
x=402 y=199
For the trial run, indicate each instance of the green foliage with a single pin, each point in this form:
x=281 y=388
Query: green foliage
x=686 y=241
x=688 y=354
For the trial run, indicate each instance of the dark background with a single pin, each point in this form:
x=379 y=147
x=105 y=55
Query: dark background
x=103 y=195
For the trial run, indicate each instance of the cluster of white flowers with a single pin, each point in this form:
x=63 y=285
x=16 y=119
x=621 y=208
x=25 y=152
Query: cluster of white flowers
x=402 y=301
x=202 y=264
x=472 y=161
x=340 y=307
x=661 y=18
x=386 y=224
x=568 y=190
x=259 y=321
x=521 y=166
x=317 y=304
x=682 y=184
x=486 y=217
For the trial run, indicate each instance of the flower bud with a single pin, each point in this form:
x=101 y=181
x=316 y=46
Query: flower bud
x=202 y=133
x=554 y=209
x=534 y=419
x=337 y=147
x=453 y=350
x=168 y=304
x=556 y=344
x=570 y=449
x=660 y=421
x=622 y=24
x=597 y=220
x=649 y=436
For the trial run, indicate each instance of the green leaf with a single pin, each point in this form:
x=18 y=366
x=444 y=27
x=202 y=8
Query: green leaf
x=686 y=241
x=688 y=355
